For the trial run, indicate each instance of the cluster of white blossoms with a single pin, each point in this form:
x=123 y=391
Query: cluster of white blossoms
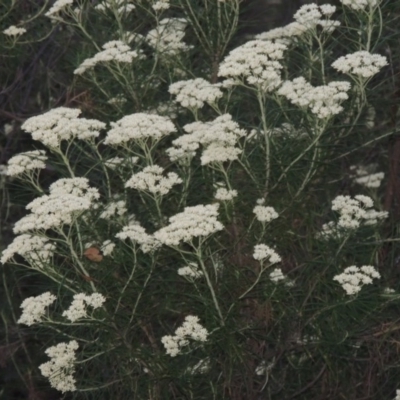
x=167 y=37
x=312 y=15
x=360 y=4
x=34 y=308
x=353 y=213
x=361 y=63
x=62 y=124
x=26 y=162
x=223 y=194
x=218 y=138
x=68 y=198
x=264 y=213
x=14 y=31
x=139 y=127
x=397 y=395
x=364 y=177
x=190 y=329
x=137 y=234
x=193 y=93
x=324 y=101
x=283 y=34
x=191 y=271
x=59 y=370
x=115 y=50
x=262 y=252
x=254 y=63
x=113 y=209
x=161 y=5
x=58 y=6
x=116 y=162
x=151 y=180
x=77 y=309
x=36 y=250
x=277 y=275
x=192 y=222
x=107 y=247
x=354 y=278
x=120 y=6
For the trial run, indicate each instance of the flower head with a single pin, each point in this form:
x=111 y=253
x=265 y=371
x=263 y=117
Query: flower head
x=34 y=308
x=26 y=162
x=59 y=370
x=192 y=222
x=361 y=63
x=62 y=124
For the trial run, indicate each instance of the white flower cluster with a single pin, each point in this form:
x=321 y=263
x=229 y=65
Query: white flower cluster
x=263 y=213
x=190 y=329
x=361 y=63
x=354 y=278
x=14 y=31
x=58 y=6
x=311 y=15
x=151 y=180
x=397 y=395
x=77 y=308
x=218 y=138
x=161 y=5
x=60 y=368
x=277 y=276
x=263 y=252
x=283 y=34
x=223 y=194
x=193 y=93
x=167 y=37
x=254 y=63
x=115 y=208
x=364 y=177
x=191 y=271
x=115 y=50
x=68 y=198
x=323 y=101
x=107 y=247
x=25 y=162
x=115 y=162
x=121 y=6
x=353 y=213
x=140 y=127
x=137 y=234
x=360 y=4
x=34 y=249
x=62 y=124
x=34 y=308
x=192 y=222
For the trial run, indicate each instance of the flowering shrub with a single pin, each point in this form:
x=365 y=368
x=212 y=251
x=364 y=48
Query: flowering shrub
x=191 y=229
